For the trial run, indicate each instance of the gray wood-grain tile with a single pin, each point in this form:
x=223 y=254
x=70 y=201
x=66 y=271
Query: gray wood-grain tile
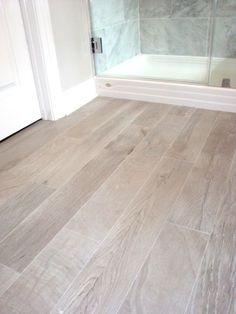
x=122 y=205
x=191 y=140
x=199 y=201
x=7 y=278
x=215 y=291
x=167 y=277
x=53 y=161
x=42 y=284
x=100 y=213
x=28 y=238
x=105 y=281
x=18 y=208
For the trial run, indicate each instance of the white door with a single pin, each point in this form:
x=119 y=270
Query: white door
x=18 y=99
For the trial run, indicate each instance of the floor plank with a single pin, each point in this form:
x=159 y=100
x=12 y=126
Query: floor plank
x=152 y=115
x=26 y=142
x=87 y=147
x=103 y=284
x=191 y=140
x=20 y=176
x=90 y=146
x=215 y=290
x=45 y=280
x=25 y=242
x=7 y=278
x=199 y=201
x=97 y=217
x=52 y=163
x=93 y=121
x=17 y=209
x=167 y=277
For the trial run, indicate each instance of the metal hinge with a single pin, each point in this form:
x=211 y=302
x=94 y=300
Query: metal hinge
x=96 y=44
x=226 y=83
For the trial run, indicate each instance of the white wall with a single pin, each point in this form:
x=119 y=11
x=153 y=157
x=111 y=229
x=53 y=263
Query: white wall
x=70 y=26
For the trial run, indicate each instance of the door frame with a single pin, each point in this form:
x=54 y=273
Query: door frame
x=54 y=102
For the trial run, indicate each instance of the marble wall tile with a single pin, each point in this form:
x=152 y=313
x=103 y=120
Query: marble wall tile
x=175 y=36
x=191 y=8
x=155 y=8
x=131 y=9
x=224 y=41
x=104 y=13
x=116 y=21
x=120 y=42
x=226 y=8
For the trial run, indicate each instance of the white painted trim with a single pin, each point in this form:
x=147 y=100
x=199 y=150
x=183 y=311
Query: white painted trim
x=43 y=57
x=206 y=97
x=54 y=102
x=76 y=97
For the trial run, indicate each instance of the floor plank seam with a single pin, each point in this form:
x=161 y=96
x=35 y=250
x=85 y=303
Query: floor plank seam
x=113 y=115
x=188 y=228
x=141 y=267
x=80 y=234
x=204 y=142
x=218 y=213
x=197 y=276
x=191 y=171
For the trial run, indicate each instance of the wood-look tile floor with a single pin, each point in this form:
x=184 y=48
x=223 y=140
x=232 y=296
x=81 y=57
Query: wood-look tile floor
x=122 y=207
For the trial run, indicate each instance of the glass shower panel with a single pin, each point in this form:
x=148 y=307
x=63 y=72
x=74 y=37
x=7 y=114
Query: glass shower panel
x=174 y=37
x=168 y=40
x=116 y=22
x=223 y=62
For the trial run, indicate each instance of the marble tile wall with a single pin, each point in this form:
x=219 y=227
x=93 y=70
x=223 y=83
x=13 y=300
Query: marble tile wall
x=175 y=27
x=224 y=40
x=181 y=27
x=117 y=22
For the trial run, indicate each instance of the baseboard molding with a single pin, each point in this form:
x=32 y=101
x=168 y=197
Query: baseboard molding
x=197 y=96
x=74 y=98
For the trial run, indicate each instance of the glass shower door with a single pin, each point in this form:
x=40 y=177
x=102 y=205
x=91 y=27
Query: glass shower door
x=223 y=61
x=172 y=40
x=159 y=40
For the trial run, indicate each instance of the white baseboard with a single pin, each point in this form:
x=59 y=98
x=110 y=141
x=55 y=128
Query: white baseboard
x=74 y=98
x=197 y=96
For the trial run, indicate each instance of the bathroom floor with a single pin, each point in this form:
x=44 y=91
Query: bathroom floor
x=122 y=207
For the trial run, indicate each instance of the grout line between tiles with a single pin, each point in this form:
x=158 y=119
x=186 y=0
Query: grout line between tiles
x=77 y=233
x=197 y=276
x=188 y=228
x=194 y=164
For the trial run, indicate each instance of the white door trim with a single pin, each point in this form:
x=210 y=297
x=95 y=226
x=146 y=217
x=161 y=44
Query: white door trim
x=40 y=42
x=54 y=102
